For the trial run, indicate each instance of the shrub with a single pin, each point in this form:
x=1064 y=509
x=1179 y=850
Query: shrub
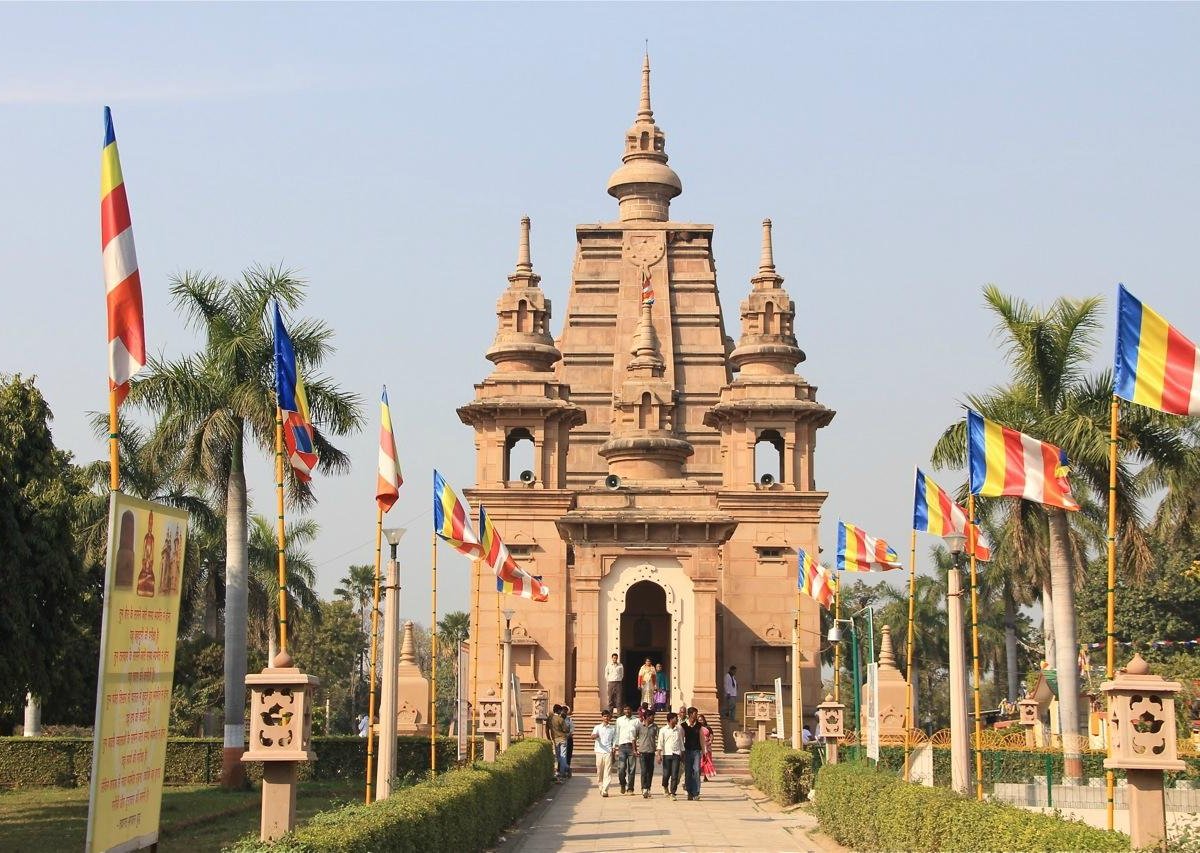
x=868 y=809
x=782 y=773
x=462 y=810
x=28 y=762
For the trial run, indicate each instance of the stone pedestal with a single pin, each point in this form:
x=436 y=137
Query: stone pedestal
x=1027 y=716
x=281 y=738
x=764 y=714
x=831 y=717
x=489 y=724
x=1141 y=720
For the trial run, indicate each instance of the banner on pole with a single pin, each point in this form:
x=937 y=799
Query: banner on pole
x=779 y=731
x=873 y=711
x=144 y=574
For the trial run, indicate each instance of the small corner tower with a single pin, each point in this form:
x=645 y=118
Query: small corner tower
x=522 y=401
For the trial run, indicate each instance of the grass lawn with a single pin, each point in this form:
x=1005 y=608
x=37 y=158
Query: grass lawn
x=195 y=819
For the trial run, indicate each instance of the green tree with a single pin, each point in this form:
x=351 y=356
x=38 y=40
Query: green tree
x=1052 y=397
x=357 y=588
x=328 y=647
x=263 y=598
x=210 y=403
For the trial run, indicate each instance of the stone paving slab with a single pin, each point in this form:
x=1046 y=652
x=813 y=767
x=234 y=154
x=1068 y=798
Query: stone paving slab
x=575 y=818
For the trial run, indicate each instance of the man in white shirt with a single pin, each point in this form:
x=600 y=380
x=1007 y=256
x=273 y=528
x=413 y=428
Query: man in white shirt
x=628 y=729
x=604 y=736
x=614 y=674
x=806 y=736
x=670 y=748
x=731 y=694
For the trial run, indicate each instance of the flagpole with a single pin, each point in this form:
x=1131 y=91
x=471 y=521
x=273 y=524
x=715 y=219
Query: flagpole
x=499 y=648
x=1111 y=629
x=908 y=670
x=281 y=533
x=114 y=444
x=975 y=654
x=374 y=652
x=475 y=565
x=433 y=662
x=837 y=647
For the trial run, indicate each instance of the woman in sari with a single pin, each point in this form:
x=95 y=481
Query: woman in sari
x=646 y=682
x=660 y=689
x=707 y=770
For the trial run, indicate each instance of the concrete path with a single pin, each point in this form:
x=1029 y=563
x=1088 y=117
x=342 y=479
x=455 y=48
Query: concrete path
x=574 y=817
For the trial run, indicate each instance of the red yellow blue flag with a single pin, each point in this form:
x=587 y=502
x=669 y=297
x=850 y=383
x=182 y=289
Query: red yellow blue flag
x=858 y=552
x=936 y=513
x=293 y=404
x=389 y=478
x=123 y=283
x=452 y=519
x=1005 y=462
x=1156 y=365
x=814 y=580
x=511 y=579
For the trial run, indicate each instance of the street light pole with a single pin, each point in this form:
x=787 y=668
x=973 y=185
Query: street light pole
x=960 y=767
x=506 y=687
x=386 y=770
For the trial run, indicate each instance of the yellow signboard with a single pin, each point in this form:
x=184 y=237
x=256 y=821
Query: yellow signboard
x=146 y=543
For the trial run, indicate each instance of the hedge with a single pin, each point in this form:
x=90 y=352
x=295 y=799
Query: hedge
x=462 y=810
x=29 y=762
x=782 y=773
x=867 y=809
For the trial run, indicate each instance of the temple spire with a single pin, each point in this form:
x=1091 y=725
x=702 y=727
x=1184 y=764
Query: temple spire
x=647 y=359
x=644 y=111
x=767 y=262
x=524 y=264
x=523 y=341
x=644 y=185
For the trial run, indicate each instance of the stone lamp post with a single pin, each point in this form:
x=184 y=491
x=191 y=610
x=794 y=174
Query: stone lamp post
x=1027 y=716
x=1141 y=723
x=489 y=723
x=764 y=713
x=281 y=738
x=831 y=719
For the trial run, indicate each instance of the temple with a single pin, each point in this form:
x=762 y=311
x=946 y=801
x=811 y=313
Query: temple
x=655 y=474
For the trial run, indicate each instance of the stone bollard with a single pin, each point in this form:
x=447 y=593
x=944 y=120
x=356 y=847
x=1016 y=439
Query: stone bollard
x=541 y=702
x=764 y=713
x=489 y=724
x=831 y=718
x=1141 y=726
x=1027 y=716
x=281 y=738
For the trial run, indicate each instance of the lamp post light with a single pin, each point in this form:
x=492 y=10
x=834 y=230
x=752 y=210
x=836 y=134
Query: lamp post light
x=506 y=686
x=835 y=636
x=386 y=769
x=960 y=768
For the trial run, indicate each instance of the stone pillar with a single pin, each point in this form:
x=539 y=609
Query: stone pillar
x=704 y=599
x=33 y=716
x=764 y=713
x=797 y=697
x=831 y=718
x=281 y=738
x=1141 y=725
x=489 y=723
x=386 y=759
x=1027 y=715
x=588 y=670
x=960 y=755
x=506 y=697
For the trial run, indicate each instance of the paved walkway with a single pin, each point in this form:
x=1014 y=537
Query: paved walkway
x=574 y=817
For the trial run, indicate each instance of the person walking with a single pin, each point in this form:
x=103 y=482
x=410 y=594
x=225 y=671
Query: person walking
x=707 y=769
x=558 y=740
x=670 y=747
x=647 y=744
x=731 y=694
x=614 y=674
x=693 y=746
x=647 y=680
x=569 y=726
x=627 y=734
x=604 y=736
x=661 y=696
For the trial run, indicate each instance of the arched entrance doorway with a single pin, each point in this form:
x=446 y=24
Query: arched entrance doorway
x=645 y=633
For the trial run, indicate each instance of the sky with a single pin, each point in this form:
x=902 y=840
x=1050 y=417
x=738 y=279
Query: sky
x=908 y=155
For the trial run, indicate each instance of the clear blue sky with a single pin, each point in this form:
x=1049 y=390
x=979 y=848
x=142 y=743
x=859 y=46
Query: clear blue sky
x=908 y=154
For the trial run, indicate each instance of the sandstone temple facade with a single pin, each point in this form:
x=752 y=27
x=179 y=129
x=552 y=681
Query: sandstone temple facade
x=657 y=474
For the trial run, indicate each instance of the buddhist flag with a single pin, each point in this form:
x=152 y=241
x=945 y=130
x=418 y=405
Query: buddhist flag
x=126 y=322
x=293 y=404
x=814 y=579
x=934 y=512
x=1005 y=462
x=389 y=479
x=858 y=552
x=511 y=579
x=452 y=520
x=1156 y=365
x=647 y=288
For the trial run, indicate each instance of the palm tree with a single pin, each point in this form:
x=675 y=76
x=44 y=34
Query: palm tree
x=357 y=588
x=453 y=629
x=1052 y=398
x=263 y=598
x=211 y=402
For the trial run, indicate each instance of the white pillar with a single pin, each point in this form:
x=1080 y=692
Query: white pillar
x=386 y=761
x=33 y=716
x=960 y=758
x=506 y=692
x=797 y=696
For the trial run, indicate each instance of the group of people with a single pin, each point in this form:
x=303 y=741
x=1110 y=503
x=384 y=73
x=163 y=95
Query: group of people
x=653 y=686
x=636 y=744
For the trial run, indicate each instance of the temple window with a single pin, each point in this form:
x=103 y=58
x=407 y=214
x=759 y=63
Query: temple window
x=518 y=453
x=768 y=455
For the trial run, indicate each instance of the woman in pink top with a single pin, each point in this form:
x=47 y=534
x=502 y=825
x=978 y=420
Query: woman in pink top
x=707 y=770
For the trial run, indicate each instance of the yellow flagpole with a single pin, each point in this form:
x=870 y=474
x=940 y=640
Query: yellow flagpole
x=281 y=533
x=1111 y=629
x=975 y=654
x=114 y=444
x=837 y=647
x=433 y=652
x=499 y=648
x=475 y=565
x=908 y=715
x=374 y=652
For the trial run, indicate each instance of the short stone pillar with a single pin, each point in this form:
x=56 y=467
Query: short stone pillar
x=540 y=702
x=281 y=738
x=831 y=722
x=1141 y=726
x=489 y=724
x=764 y=713
x=1027 y=716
